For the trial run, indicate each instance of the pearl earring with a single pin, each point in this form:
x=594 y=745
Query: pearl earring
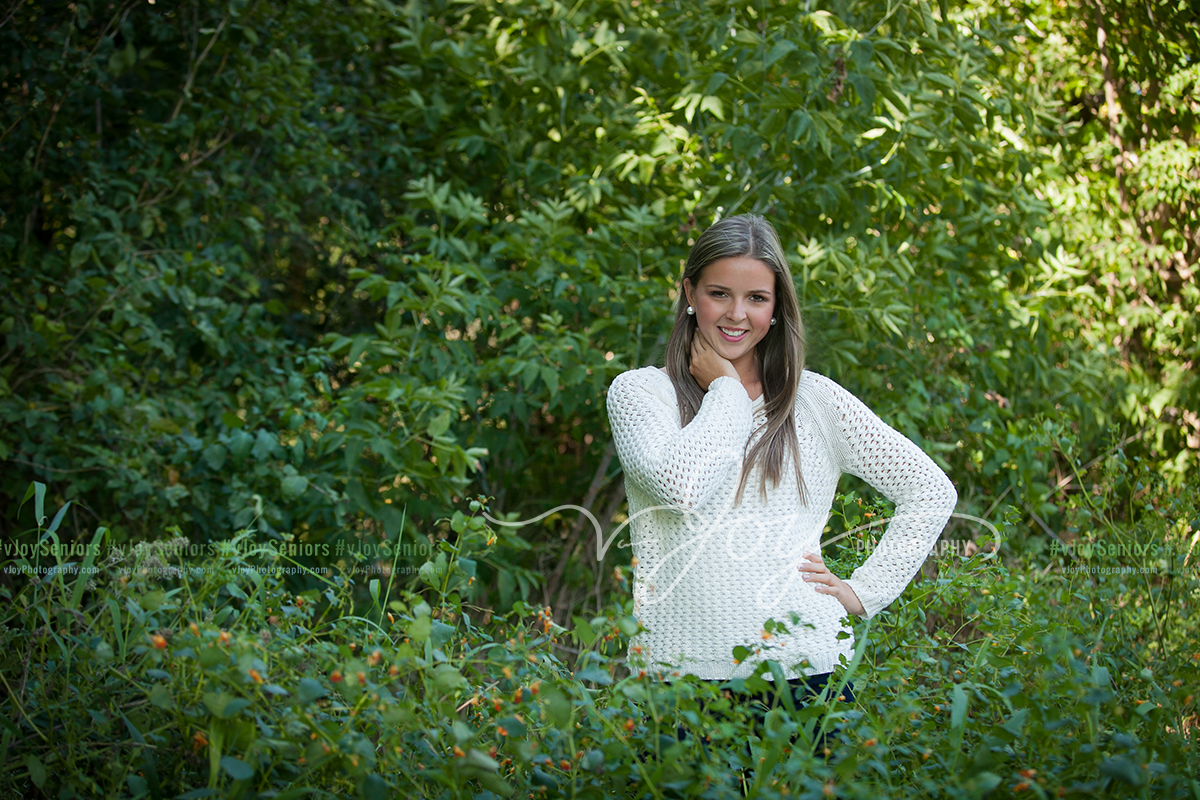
x=772 y=320
x=690 y=310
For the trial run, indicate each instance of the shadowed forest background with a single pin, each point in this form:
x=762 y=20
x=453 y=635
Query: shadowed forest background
x=347 y=274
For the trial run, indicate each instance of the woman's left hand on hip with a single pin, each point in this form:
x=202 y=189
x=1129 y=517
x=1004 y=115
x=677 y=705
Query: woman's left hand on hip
x=825 y=582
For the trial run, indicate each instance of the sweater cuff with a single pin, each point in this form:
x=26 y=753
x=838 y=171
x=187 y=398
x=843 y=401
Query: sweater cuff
x=716 y=383
x=872 y=604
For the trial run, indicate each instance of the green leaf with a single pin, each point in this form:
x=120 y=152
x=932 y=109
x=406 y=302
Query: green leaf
x=418 y=629
x=584 y=632
x=447 y=678
x=374 y=787
x=557 y=706
x=37 y=772
x=927 y=20
x=864 y=87
x=439 y=424
x=222 y=705
x=777 y=51
x=293 y=486
x=477 y=759
x=440 y=633
x=715 y=82
x=958 y=707
x=214 y=455
x=1123 y=770
x=236 y=768
x=594 y=674
x=309 y=690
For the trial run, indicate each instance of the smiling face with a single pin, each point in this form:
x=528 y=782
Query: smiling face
x=734 y=299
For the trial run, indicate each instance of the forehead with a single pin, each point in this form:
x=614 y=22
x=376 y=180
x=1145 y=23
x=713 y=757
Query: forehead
x=741 y=273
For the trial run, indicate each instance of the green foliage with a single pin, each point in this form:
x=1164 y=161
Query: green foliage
x=319 y=271
x=319 y=259
x=161 y=675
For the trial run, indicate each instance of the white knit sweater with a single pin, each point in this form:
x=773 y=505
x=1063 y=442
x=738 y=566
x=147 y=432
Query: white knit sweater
x=709 y=575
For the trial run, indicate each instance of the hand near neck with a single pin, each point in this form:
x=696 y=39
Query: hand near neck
x=707 y=365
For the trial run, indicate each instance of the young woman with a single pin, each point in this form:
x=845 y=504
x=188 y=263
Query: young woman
x=732 y=455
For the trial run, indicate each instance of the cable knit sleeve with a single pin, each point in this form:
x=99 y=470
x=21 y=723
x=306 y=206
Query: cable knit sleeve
x=679 y=466
x=865 y=446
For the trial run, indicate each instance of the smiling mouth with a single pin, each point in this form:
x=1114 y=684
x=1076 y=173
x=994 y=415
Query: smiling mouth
x=732 y=333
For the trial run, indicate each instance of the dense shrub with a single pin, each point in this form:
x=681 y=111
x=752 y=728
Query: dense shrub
x=161 y=677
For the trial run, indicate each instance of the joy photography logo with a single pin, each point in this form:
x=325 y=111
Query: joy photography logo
x=1109 y=558
x=741 y=542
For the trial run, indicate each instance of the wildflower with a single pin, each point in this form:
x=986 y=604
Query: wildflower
x=458 y=752
x=159 y=641
x=362 y=678
x=564 y=764
x=629 y=724
x=503 y=731
x=869 y=743
x=336 y=677
x=1020 y=787
x=194 y=628
x=507 y=672
x=255 y=676
x=224 y=637
x=198 y=741
x=1027 y=773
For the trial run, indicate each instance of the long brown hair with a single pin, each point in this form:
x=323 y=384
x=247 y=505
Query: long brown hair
x=780 y=354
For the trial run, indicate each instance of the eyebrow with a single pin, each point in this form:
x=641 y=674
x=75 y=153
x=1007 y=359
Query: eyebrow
x=726 y=288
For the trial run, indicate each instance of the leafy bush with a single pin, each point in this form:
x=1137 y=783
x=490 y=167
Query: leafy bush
x=160 y=676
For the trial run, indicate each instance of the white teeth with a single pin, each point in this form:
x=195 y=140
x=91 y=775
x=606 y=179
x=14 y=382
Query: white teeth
x=729 y=332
